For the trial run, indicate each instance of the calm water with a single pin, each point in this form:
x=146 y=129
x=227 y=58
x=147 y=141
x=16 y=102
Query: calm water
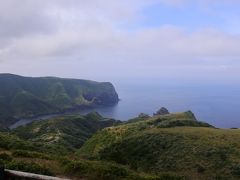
x=217 y=105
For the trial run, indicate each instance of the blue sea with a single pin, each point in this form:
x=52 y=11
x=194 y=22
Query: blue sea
x=218 y=105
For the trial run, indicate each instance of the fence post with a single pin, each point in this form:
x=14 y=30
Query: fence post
x=2 y=172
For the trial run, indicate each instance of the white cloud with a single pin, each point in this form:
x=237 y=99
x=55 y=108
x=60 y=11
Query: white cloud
x=84 y=35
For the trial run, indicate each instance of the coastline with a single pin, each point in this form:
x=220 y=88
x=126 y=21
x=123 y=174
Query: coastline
x=72 y=111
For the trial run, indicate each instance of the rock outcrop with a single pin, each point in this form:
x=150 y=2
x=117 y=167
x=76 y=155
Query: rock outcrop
x=162 y=111
x=143 y=116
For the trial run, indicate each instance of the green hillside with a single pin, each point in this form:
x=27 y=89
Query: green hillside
x=22 y=97
x=176 y=144
x=163 y=147
x=67 y=131
x=47 y=147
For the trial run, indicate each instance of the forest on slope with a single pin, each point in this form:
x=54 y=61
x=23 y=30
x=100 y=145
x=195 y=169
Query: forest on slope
x=24 y=97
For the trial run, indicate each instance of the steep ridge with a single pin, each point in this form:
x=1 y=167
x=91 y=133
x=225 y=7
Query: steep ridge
x=22 y=97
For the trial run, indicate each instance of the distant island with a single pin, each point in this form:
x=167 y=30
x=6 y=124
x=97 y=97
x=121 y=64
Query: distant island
x=26 y=97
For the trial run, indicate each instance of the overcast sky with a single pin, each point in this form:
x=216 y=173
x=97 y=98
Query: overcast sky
x=113 y=40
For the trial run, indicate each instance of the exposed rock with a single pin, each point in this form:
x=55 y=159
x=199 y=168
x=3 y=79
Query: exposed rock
x=162 y=111
x=143 y=115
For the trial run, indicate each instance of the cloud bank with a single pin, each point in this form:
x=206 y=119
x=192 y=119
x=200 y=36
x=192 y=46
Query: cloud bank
x=94 y=39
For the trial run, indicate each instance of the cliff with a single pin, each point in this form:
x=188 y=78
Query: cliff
x=22 y=97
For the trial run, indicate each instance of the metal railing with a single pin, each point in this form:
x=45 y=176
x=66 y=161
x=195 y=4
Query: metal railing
x=6 y=174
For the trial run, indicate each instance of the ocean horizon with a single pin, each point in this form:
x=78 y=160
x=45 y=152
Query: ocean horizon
x=217 y=105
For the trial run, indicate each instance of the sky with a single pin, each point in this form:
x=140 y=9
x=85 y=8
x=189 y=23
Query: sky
x=122 y=40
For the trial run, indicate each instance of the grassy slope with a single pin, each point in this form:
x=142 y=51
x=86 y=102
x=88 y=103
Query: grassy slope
x=28 y=149
x=158 y=145
x=26 y=97
x=63 y=166
x=67 y=131
x=169 y=147
x=24 y=155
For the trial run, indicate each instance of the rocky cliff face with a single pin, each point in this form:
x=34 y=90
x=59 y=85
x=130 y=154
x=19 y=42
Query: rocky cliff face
x=105 y=98
x=22 y=97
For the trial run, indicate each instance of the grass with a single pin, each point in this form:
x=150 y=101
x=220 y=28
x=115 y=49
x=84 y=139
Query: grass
x=189 y=151
x=65 y=131
x=170 y=147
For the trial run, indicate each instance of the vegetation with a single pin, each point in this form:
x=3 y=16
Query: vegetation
x=165 y=147
x=186 y=148
x=65 y=131
x=22 y=97
x=107 y=170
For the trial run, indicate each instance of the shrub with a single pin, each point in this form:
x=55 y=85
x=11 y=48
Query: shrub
x=236 y=170
x=28 y=154
x=97 y=170
x=5 y=157
x=200 y=168
x=28 y=167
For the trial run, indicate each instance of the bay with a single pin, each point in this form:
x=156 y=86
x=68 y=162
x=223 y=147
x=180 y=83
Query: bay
x=215 y=104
